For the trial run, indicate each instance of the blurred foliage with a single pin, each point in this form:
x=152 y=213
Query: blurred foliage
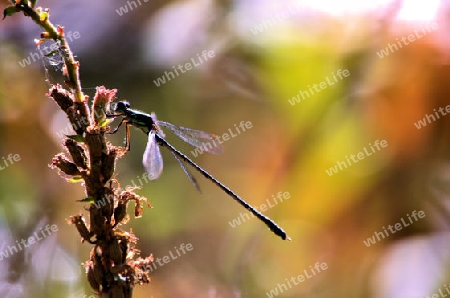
x=288 y=149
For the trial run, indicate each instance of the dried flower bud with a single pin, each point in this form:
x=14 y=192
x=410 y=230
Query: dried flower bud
x=100 y=106
x=80 y=224
x=91 y=278
x=120 y=212
x=107 y=203
x=62 y=97
x=138 y=209
x=77 y=153
x=115 y=252
x=66 y=166
x=97 y=221
x=98 y=271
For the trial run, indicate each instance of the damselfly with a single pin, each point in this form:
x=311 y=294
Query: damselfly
x=152 y=158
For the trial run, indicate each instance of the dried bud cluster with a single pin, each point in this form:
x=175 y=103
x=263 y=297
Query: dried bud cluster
x=93 y=162
x=111 y=268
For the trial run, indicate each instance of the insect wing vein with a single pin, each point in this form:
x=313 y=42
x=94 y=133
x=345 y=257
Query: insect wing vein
x=197 y=138
x=188 y=173
x=152 y=158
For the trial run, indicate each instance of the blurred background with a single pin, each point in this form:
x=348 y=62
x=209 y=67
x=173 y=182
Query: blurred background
x=266 y=55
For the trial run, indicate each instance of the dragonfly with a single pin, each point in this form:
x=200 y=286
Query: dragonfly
x=152 y=159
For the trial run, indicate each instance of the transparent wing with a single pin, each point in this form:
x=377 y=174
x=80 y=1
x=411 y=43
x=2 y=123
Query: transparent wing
x=197 y=138
x=152 y=158
x=186 y=171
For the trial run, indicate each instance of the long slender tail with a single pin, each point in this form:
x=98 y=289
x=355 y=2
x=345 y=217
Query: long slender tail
x=269 y=223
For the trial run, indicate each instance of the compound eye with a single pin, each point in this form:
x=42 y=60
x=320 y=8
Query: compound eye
x=121 y=106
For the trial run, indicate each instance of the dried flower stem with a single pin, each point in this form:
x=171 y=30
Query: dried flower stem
x=114 y=267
